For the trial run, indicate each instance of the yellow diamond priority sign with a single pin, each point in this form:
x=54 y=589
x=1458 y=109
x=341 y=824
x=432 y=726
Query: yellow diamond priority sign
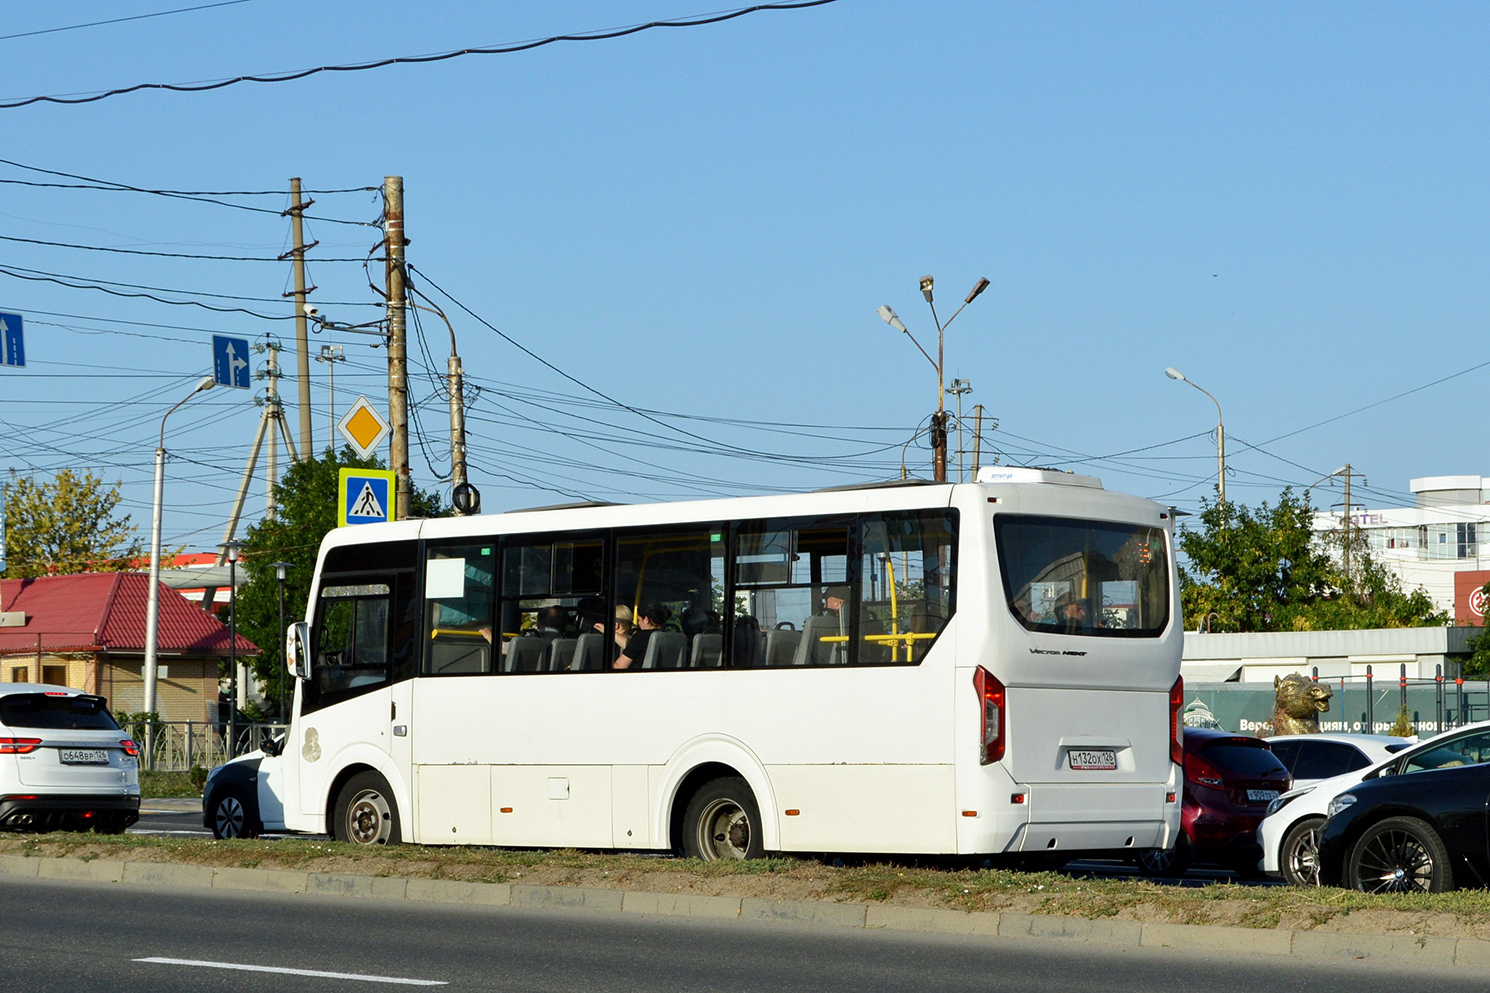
x=364 y=427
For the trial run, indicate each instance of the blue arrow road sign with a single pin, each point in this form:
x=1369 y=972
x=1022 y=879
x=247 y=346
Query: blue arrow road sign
x=10 y=340
x=230 y=361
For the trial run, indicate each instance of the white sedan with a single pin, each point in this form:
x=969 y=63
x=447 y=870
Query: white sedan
x=1289 y=833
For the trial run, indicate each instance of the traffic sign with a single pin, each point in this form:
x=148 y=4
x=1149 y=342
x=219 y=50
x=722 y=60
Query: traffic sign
x=365 y=496
x=230 y=361
x=364 y=427
x=10 y=340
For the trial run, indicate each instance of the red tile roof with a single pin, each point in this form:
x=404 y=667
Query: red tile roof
x=105 y=611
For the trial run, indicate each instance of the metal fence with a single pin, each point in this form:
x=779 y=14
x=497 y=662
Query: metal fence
x=1366 y=703
x=177 y=746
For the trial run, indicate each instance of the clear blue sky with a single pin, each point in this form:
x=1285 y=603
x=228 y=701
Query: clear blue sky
x=1287 y=203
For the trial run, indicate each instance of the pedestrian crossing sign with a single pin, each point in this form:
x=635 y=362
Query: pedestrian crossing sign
x=365 y=496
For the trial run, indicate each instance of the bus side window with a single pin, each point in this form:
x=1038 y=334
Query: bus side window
x=907 y=583
x=351 y=635
x=792 y=579
x=458 y=596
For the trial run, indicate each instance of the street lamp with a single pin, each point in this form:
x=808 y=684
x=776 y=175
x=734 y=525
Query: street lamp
x=939 y=419
x=957 y=388
x=152 y=608
x=279 y=574
x=1174 y=373
x=230 y=548
x=331 y=354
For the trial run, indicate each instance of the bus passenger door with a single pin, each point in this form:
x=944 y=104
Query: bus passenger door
x=356 y=702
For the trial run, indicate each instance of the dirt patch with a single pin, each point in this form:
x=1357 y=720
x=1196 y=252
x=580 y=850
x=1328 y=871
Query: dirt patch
x=1462 y=914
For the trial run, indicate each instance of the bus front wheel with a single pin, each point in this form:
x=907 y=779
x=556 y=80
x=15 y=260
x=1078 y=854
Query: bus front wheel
x=723 y=822
x=365 y=814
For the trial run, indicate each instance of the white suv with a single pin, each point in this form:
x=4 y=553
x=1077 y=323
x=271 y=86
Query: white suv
x=65 y=764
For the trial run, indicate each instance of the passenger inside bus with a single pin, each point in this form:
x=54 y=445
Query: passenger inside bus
x=650 y=620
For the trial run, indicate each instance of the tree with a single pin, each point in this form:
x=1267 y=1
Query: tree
x=1266 y=570
x=306 y=504
x=66 y=525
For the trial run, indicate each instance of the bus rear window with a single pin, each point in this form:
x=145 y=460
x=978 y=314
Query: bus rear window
x=1094 y=578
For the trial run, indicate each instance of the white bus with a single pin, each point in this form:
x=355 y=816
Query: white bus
x=965 y=669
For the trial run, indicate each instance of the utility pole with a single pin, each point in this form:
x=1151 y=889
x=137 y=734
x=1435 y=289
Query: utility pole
x=1345 y=554
x=958 y=388
x=271 y=401
x=977 y=438
x=398 y=381
x=302 y=336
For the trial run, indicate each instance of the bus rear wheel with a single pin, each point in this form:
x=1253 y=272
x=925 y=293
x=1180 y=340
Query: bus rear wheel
x=723 y=822
x=365 y=814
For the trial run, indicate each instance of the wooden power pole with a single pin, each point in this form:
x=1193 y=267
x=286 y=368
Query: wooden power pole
x=398 y=376
x=302 y=336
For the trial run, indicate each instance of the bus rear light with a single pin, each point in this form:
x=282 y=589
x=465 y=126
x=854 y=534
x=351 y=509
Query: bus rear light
x=1169 y=797
x=1017 y=798
x=130 y=748
x=19 y=746
x=993 y=723
x=1177 y=722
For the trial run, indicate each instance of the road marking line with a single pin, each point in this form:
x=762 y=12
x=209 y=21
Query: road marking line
x=296 y=972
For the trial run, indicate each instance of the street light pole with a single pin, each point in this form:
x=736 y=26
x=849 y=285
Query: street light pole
x=331 y=354
x=231 y=548
x=939 y=419
x=279 y=573
x=1174 y=373
x=152 y=608
x=957 y=388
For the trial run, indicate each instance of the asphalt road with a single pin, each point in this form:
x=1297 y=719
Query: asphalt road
x=82 y=938
x=184 y=817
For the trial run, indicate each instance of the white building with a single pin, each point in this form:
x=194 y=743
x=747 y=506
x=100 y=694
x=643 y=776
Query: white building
x=1442 y=543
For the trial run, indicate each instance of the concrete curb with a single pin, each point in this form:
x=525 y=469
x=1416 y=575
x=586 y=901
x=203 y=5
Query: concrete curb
x=1390 y=949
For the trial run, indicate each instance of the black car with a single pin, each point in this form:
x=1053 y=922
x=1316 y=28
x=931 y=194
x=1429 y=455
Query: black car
x=1418 y=824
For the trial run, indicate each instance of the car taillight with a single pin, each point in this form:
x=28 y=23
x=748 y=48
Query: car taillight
x=18 y=746
x=991 y=700
x=1177 y=722
x=130 y=748
x=1198 y=770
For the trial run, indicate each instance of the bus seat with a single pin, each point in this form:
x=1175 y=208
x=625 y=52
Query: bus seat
x=812 y=650
x=524 y=654
x=561 y=654
x=587 y=652
x=665 y=650
x=708 y=651
x=781 y=646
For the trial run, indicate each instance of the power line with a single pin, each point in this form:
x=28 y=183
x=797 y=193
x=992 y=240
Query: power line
x=161 y=255
x=121 y=20
x=113 y=187
x=286 y=77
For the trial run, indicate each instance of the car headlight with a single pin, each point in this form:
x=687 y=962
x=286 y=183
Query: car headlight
x=1340 y=803
x=1288 y=798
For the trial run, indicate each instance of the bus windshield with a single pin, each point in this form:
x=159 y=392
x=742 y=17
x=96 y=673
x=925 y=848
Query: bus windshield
x=1101 y=579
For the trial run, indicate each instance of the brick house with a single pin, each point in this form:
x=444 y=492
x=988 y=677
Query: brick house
x=88 y=631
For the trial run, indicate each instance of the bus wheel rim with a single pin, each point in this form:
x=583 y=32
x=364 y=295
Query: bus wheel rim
x=368 y=817
x=723 y=830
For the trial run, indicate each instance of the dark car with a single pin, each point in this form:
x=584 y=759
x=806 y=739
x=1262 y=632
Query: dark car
x=1415 y=825
x=1229 y=781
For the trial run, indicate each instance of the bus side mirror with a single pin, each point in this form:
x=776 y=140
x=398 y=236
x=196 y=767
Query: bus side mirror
x=297 y=654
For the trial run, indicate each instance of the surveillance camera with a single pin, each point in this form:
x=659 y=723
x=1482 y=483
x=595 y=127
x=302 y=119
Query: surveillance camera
x=312 y=311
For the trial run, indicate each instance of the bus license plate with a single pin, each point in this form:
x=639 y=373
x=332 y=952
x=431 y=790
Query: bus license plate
x=1092 y=758
x=1262 y=796
x=85 y=756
